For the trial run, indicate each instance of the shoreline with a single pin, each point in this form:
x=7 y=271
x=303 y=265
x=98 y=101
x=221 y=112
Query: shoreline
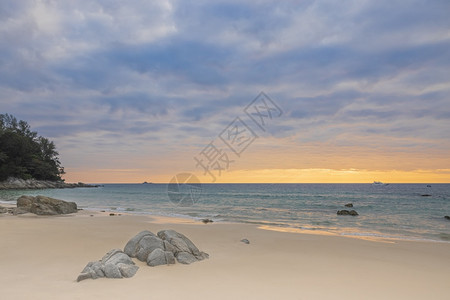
x=307 y=208
x=42 y=256
x=269 y=226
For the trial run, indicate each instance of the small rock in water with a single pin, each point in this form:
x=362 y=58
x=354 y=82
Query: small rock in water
x=206 y=221
x=245 y=241
x=349 y=205
x=425 y=195
x=447 y=217
x=347 y=213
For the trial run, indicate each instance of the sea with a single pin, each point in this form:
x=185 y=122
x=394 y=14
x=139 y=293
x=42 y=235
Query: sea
x=394 y=211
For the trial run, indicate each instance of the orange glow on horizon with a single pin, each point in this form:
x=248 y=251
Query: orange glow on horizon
x=267 y=176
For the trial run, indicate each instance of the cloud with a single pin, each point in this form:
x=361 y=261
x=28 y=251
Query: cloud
x=173 y=74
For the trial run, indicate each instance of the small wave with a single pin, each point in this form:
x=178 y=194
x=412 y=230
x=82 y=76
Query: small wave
x=391 y=237
x=444 y=237
x=8 y=201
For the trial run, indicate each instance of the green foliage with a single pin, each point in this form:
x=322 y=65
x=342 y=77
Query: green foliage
x=24 y=154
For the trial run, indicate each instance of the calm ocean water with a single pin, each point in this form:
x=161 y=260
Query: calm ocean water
x=395 y=210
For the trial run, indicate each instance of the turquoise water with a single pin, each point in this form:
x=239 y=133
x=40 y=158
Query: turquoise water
x=395 y=210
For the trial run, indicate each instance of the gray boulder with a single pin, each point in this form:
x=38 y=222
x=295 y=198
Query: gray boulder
x=131 y=248
x=179 y=243
x=111 y=271
x=144 y=243
x=146 y=246
x=116 y=256
x=114 y=264
x=186 y=258
x=41 y=205
x=160 y=257
x=163 y=248
x=126 y=270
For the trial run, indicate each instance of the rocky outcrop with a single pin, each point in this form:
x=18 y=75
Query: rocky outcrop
x=163 y=248
x=41 y=205
x=115 y=264
x=349 y=205
x=345 y=212
x=21 y=184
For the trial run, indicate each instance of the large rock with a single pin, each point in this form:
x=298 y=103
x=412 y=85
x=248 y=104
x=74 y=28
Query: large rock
x=142 y=244
x=160 y=257
x=115 y=264
x=181 y=244
x=447 y=217
x=186 y=258
x=131 y=247
x=163 y=248
x=147 y=245
x=42 y=205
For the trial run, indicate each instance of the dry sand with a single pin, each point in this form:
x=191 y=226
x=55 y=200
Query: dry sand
x=41 y=257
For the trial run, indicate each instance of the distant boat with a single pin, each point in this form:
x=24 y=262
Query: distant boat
x=379 y=183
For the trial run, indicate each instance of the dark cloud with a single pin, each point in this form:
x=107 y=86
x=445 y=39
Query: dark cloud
x=169 y=69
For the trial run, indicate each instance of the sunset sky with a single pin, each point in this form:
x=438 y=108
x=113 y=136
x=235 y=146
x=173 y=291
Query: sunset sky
x=133 y=91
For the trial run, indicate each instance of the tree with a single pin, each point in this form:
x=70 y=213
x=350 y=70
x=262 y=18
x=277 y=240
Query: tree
x=24 y=154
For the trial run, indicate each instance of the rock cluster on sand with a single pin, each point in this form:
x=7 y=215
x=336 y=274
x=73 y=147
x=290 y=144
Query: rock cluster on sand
x=163 y=248
x=345 y=212
x=21 y=184
x=41 y=205
x=115 y=264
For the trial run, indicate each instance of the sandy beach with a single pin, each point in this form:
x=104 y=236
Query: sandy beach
x=41 y=258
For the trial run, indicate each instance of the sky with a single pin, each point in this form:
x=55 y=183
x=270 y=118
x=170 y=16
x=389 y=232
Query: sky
x=133 y=91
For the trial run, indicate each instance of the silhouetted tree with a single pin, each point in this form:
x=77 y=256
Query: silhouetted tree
x=24 y=154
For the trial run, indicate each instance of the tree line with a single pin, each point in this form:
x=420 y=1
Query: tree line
x=24 y=154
